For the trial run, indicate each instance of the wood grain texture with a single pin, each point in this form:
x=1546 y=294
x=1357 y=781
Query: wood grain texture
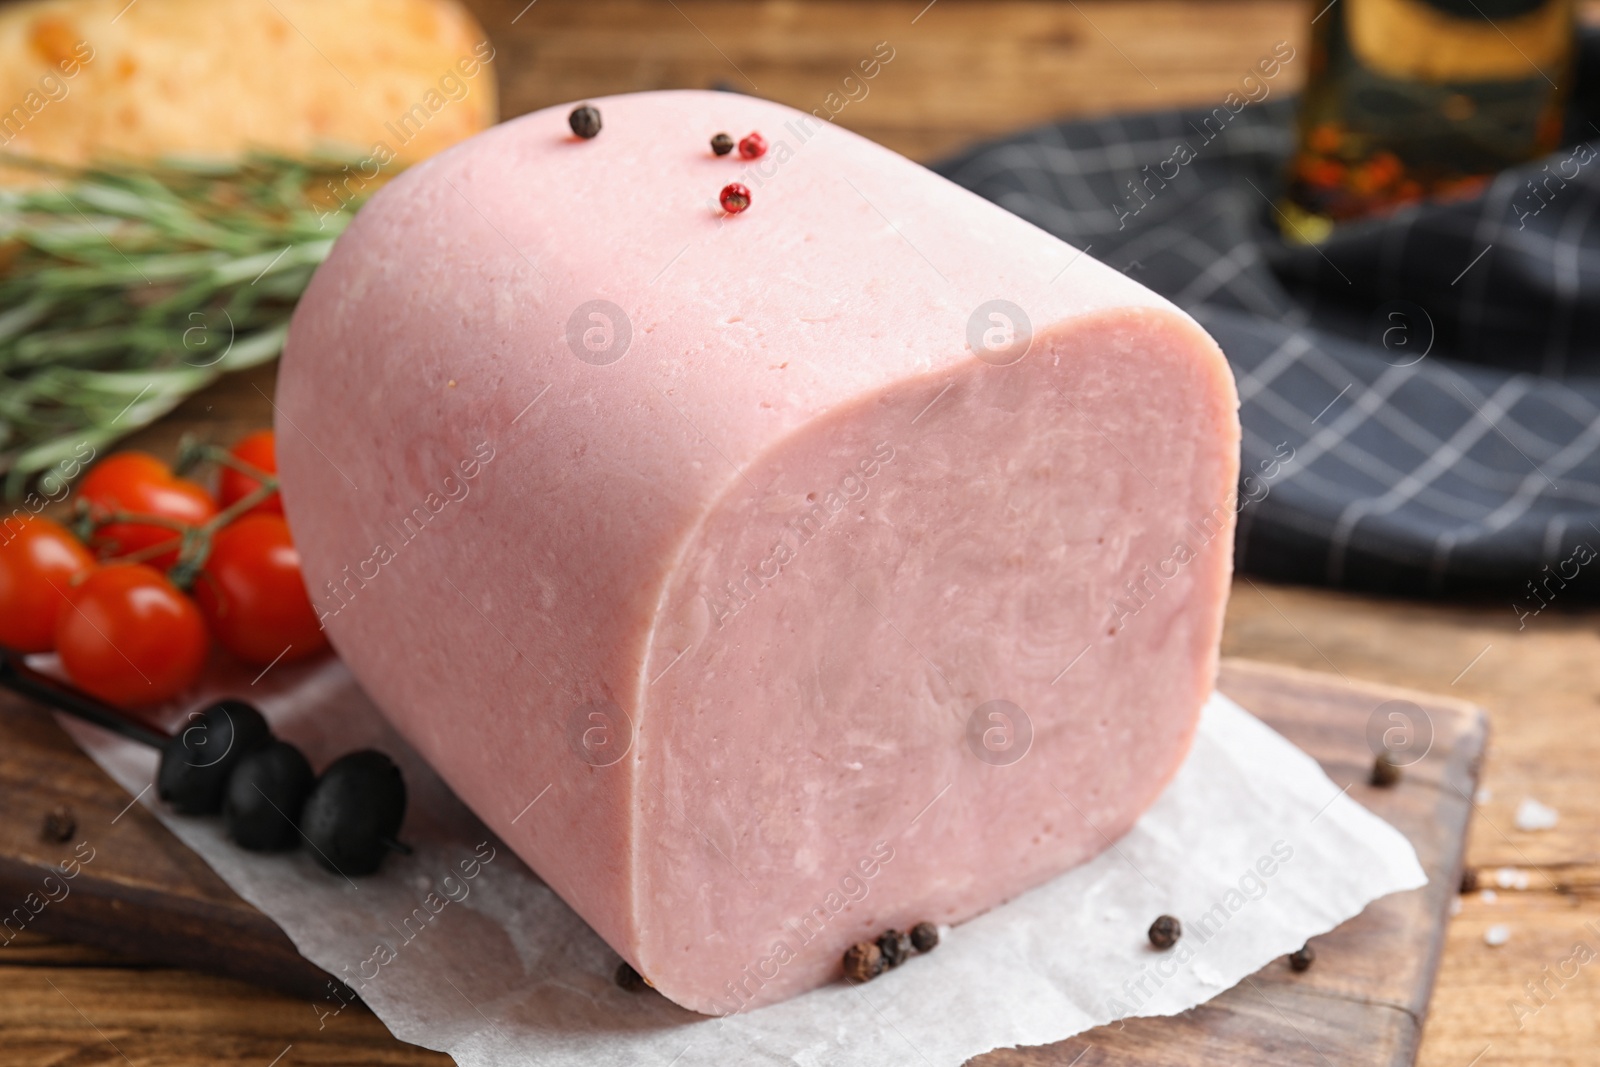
x=961 y=69
x=64 y=1007
x=1364 y=999
x=1541 y=686
x=145 y=894
x=130 y=890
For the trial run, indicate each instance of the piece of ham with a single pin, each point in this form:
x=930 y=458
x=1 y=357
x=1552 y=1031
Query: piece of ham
x=765 y=581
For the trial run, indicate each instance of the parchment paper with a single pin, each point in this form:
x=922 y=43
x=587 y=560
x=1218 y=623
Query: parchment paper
x=461 y=948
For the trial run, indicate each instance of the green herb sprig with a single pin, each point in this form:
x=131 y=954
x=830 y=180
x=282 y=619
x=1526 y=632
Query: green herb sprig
x=124 y=289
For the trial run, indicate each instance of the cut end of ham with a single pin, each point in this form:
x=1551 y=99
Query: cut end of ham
x=854 y=561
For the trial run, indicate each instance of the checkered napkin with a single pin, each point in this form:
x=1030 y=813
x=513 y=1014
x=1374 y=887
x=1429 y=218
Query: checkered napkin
x=1420 y=394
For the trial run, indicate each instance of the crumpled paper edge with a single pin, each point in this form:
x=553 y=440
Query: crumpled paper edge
x=523 y=979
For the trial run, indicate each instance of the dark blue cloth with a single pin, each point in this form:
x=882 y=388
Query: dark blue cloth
x=1436 y=373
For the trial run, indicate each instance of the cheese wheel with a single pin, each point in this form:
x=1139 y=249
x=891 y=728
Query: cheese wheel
x=382 y=82
x=764 y=580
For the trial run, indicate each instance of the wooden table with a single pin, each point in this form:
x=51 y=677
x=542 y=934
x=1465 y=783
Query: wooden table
x=964 y=70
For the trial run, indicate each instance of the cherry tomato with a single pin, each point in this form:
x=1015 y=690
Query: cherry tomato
x=130 y=637
x=138 y=482
x=38 y=561
x=253 y=595
x=256 y=450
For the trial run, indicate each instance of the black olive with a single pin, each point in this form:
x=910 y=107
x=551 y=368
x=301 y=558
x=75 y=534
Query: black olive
x=265 y=794
x=354 y=811
x=197 y=760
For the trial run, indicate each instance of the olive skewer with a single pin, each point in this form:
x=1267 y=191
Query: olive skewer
x=226 y=760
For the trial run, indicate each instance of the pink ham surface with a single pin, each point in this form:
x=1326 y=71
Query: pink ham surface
x=728 y=605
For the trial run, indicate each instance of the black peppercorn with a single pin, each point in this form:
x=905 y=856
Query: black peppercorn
x=1469 y=880
x=1302 y=959
x=1385 y=771
x=863 y=961
x=59 y=824
x=1165 y=931
x=628 y=978
x=924 y=937
x=585 y=121
x=895 y=946
x=722 y=144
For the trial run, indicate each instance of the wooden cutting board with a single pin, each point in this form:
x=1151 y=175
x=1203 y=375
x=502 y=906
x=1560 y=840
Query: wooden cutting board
x=145 y=895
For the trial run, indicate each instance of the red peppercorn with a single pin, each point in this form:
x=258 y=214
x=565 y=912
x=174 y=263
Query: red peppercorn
x=735 y=198
x=753 y=147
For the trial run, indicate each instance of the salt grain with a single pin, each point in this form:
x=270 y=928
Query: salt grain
x=1511 y=878
x=1497 y=935
x=1533 y=816
x=1489 y=896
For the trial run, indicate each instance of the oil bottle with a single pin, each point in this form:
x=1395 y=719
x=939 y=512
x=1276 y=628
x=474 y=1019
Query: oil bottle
x=1414 y=99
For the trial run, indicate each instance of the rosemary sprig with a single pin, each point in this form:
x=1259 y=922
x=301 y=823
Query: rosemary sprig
x=125 y=289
